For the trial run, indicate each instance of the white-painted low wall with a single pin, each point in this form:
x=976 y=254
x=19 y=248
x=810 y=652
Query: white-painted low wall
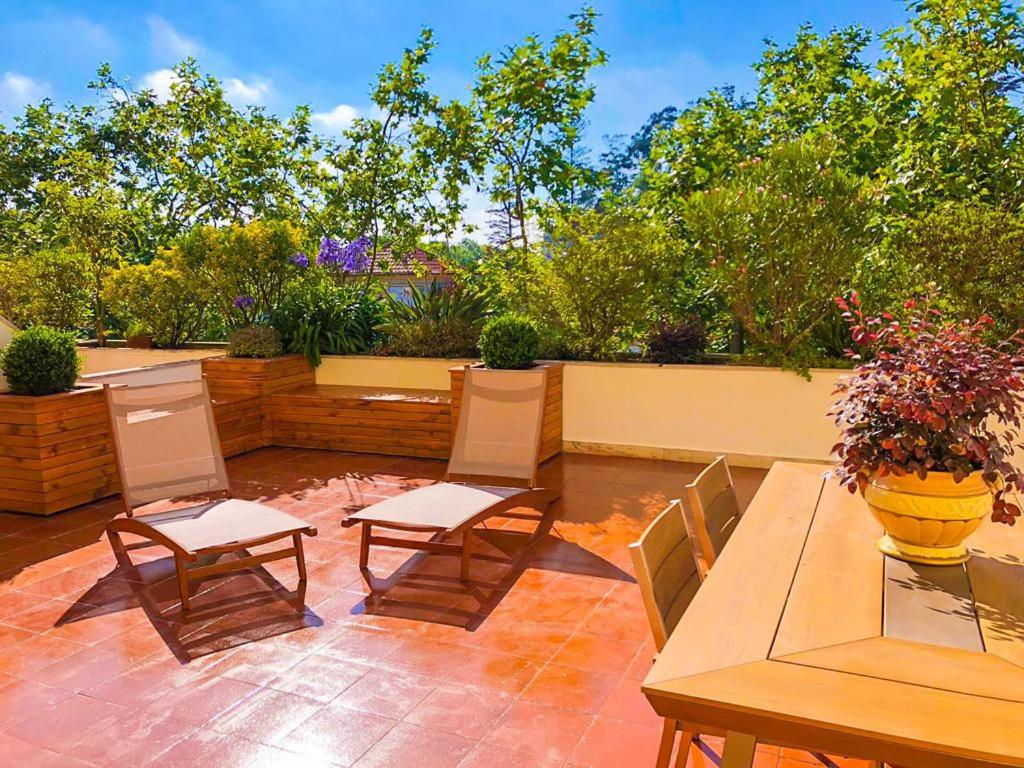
x=7 y=330
x=754 y=415
x=100 y=360
x=684 y=412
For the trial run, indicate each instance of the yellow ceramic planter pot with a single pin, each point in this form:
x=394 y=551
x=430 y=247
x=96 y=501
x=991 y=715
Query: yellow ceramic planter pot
x=926 y=521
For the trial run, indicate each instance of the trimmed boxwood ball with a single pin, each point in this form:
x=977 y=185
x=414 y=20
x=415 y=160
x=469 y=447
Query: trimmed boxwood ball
x=509 y=342
x=40 y=361
x=255 y=341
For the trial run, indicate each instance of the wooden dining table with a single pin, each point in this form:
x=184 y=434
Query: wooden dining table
x=804 y=633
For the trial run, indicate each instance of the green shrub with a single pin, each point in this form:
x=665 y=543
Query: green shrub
x=248 y=267
x=166 y=298
x=677 y=342
x=439 y=304
x=255 y=341
x=49 y=287
x=40 y=361
x=509 y=342
x=604 y=281
x=781 y=239
x=317 y=317
x=432 y=338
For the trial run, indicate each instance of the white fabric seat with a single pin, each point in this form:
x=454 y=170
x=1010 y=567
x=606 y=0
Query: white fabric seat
x=442 y=507
x=222 y=523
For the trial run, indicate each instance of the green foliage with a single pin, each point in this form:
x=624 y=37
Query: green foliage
x=40 y=361
x=439 y=303
x=604 y=282
x=432 y=338
x=509 y=342
x=316 y=317
x=167 y=298
x=243 y=261
x=255 y=341
x=782 y=239
x=975 y=252
x=681 y=341
x=438 y=322
x=49 y=287
x=530 y=103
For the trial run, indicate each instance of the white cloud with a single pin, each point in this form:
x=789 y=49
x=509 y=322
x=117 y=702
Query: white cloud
x=242 y=93
x=17 y=90
x=160 y=82
x=337 y=119
x=169 y=44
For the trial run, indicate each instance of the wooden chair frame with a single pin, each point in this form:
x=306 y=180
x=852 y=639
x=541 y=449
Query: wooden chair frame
x=183 y=557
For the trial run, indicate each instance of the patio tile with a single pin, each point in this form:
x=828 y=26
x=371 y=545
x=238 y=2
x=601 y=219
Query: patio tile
x=68 y=722
x=386 y=692
x=134 y=740
x=337 y=735
x=468 y=712
x=596 y=654
x=21 y=699
x=544 y=732
x=319 y=677
x=413 y=747
x=267 y=716
x=26 y=656
x=210 y=750
x=570 y=688
x=493 y=670
x=613 y=743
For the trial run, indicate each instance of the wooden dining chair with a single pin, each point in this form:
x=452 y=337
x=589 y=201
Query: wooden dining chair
x=668 y=579
x=713 y=514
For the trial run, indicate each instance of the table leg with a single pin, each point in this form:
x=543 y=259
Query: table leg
x=739 y=750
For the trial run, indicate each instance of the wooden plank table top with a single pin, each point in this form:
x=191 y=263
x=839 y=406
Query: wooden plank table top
x=804 y=633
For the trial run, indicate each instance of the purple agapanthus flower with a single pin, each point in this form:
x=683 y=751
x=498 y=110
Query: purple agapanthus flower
x=300 y=260
x=353 y=257
x=244 y=302
x=330 y=252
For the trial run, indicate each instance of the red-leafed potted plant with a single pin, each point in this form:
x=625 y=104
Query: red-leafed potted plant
x=929 y=422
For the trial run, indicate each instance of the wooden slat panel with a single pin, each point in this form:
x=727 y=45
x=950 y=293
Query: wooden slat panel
x=996 y=570
x=837 y=593
x=849 y=714
x=930 y=666
x=733 y=619
x=930 y=604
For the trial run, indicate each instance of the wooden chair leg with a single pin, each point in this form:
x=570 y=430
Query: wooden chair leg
x=179 y=564
x=300 y=555
x=739 y=750
x=467 y=553
x=683 y=755
x=364 y=547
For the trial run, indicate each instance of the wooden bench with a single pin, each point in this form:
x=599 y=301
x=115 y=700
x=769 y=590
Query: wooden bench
x=397 y=422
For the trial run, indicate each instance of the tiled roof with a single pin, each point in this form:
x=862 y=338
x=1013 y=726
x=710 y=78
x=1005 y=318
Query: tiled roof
x=410 y=264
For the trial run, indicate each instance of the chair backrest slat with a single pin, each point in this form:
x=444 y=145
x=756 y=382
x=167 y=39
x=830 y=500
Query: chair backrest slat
x=500 y=420
x=166 y=441
x=713 y=513
x=666 y=571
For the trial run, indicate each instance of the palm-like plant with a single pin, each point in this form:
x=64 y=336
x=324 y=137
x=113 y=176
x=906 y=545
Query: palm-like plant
x=437 y=304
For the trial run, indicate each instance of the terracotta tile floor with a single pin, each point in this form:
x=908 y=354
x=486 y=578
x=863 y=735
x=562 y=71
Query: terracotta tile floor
x=537 y=662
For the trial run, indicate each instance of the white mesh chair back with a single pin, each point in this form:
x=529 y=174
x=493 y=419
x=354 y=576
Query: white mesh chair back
x=500 y=420
x=166 y=441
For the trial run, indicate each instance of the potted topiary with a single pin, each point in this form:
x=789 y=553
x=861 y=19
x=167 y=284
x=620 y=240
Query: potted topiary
x=512 y=343
x=138 y=336
x=54 y=436
x=928 y=427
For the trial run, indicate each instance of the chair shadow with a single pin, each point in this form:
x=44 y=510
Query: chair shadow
x=226 y=612
x=500 y=558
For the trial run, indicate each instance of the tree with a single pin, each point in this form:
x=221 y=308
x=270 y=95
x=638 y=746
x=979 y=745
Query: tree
x=625 y=157
x=530 y=102
x=85 y=214
x=399 y=173
x=782 y=238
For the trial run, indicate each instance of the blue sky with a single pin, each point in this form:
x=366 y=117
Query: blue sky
x=283 y=52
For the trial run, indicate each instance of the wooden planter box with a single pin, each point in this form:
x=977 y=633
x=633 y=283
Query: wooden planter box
x=55 y=451
x=551 y=432
x=233 y=380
